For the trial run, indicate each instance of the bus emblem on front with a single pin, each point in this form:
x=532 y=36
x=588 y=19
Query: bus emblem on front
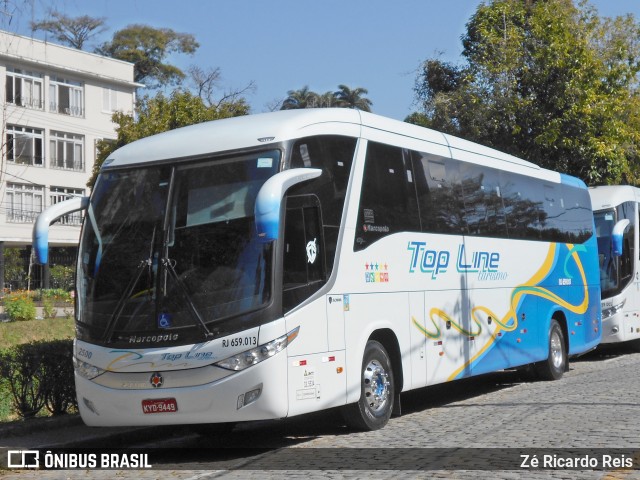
x=156 y=380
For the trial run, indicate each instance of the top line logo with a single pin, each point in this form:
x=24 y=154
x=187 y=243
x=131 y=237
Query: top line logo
x=435 y=262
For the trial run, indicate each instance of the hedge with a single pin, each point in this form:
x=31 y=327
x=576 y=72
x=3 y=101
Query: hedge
x=40 y=375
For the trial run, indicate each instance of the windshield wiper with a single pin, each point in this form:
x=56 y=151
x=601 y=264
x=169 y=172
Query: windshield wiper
x=111 y=326
x=168 y=265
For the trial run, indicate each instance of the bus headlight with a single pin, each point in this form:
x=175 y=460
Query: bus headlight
x=258 y=354
x=611 y=311
x=86 y=370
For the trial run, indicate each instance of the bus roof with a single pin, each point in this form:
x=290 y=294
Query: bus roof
x=274 y=127
x=610 y=196
x=228 y=134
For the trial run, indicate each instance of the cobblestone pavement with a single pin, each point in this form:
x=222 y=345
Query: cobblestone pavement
x=594 y=406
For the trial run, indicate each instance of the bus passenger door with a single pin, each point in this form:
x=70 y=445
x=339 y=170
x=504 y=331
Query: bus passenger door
x=304 y=272
x=632 y=307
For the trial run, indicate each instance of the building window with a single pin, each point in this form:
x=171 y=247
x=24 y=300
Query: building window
x=24 y=202
x=109 y=100
x=66 y=96
x=66 y=151
x=24 y=145
x=24 y=88
x=60 y=194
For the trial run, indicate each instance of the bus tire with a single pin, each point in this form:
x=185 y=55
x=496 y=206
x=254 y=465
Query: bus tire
x=377 y=391
x=556 y=363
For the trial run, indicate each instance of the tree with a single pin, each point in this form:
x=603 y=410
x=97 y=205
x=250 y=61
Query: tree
x=326 y=100
x=344 y=98
x=206 y=84
x=548 y=81
x=148 y=48
x=303 y=98
x=353 y=98
x=73 y=32
x=162 y=113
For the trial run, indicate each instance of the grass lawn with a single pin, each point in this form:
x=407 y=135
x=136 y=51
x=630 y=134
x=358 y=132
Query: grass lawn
x=16 y=333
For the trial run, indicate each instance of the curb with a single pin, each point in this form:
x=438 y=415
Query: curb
x=29 y=426
x=69 y=431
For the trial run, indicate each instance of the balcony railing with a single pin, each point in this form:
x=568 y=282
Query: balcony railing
x=77 y=165
x=73 y=219
x=27 y=102
x=21 y=216
x=66 y=109
x=29 y=216
x=35 y=161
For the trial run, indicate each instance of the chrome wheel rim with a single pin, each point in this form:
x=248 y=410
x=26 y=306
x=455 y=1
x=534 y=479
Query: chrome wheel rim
x=556 y=350
x=376 y=386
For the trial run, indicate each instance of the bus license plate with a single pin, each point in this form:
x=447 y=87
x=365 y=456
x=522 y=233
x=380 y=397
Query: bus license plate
x=160 y=405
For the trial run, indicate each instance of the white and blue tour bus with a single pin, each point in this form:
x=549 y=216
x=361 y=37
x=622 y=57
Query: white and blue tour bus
x=616 y=215
x=272 y=265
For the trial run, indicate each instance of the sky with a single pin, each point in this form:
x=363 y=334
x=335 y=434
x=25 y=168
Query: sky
x=282 y=45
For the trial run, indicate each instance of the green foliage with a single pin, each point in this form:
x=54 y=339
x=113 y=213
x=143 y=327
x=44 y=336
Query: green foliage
x=19 y=306
x=57 y=372
x=353 y=98
x=61 y=276
x=147 y=48
x=19 y=366
x=548 y=81
x=39 y=374
x=73 y=32
x=5 y=399
x=161 y=113
x=14 y=268
x=56 y=295
x=48 y=309
x=345 y=97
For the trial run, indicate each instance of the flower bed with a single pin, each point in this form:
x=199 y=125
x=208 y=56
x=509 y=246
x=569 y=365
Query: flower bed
x=21 y=305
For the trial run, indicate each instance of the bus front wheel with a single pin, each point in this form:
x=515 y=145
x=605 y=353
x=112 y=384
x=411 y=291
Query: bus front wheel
x=556 y=363
x=377 y=391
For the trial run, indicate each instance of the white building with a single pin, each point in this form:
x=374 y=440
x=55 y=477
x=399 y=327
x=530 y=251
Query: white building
x=57 y=103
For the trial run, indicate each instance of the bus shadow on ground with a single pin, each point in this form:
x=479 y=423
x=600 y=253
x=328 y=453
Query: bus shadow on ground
x=607 y=351
x=298 y=430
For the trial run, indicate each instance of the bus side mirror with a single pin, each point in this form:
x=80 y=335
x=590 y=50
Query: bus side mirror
x=616 y=236
x=269 y=200
x=46 y=218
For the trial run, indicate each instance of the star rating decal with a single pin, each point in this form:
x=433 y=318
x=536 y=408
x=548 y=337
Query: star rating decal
x=376 y=272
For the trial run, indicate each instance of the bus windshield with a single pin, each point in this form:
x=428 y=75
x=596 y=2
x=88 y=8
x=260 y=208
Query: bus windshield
x=169 y=250
x=604 y=222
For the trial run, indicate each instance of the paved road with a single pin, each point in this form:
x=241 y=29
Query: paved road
x=594 y=407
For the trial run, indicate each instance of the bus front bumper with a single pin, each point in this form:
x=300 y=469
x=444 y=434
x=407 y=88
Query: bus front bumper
x=256 y=393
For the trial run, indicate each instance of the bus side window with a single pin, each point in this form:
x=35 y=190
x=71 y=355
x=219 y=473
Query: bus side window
x=388 y=201
x=523 y=206
x=304 y=269
x=577 y=219
x=483 y=204
x=438 y=191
